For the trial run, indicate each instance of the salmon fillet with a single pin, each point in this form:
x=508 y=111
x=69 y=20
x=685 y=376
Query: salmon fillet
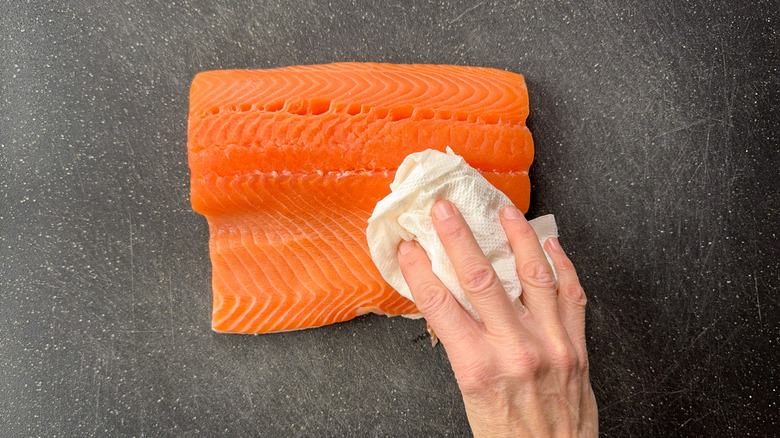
x=287 y=165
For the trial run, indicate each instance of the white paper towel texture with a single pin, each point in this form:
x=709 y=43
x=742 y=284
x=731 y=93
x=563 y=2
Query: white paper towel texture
x=422 y=179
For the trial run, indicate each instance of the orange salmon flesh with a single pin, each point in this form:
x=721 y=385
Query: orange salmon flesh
x=287 y=165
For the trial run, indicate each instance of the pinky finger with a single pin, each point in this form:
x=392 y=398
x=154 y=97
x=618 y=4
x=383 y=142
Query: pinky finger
x=571 y=297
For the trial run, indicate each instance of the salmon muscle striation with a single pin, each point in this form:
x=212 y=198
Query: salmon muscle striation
x=287 y=165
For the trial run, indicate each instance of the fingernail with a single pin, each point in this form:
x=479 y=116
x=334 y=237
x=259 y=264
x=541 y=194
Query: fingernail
x=443 y=210
x=405 y=247
x=554 y=244
x=511 y=212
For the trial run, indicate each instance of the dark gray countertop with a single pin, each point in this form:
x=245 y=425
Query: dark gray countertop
x=656 y=130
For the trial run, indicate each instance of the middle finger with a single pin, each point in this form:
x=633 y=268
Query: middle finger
x=474 y=271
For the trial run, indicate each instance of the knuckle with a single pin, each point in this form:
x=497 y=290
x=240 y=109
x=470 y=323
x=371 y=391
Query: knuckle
x=479 y=277
x=576 y=295
x=583 y=297
x=562 y=357
x=537 y=274
x=474 y=378
x=431 y=298
x=526 y=362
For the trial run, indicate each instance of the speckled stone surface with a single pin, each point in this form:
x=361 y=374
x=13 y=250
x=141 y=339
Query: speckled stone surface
x=656 y=130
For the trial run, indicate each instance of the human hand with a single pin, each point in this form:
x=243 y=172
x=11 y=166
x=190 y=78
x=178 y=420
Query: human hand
x=523 y=371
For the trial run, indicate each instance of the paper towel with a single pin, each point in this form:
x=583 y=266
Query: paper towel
x=405 y=214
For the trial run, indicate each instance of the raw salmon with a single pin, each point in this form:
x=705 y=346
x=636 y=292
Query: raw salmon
x=287 y=165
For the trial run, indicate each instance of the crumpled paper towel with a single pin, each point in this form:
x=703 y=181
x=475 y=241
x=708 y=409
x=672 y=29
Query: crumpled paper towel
x=422 y=179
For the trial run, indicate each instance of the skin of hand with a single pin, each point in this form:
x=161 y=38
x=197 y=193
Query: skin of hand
x=523 y=371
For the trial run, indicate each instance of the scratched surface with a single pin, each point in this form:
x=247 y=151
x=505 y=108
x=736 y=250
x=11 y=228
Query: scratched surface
x=657 y=148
